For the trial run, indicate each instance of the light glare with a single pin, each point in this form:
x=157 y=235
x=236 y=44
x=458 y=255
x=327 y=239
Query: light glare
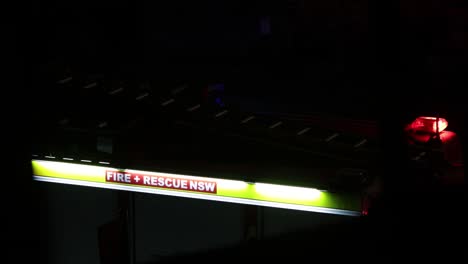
x=287 y=192
x=233 y=185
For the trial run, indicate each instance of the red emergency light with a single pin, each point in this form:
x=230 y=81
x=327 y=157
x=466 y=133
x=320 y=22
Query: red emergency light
x=429 y=124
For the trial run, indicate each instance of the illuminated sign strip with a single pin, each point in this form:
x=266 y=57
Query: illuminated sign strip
x=261 y=194
x=200 y=196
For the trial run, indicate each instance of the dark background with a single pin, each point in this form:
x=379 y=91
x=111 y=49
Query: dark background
x=385 y=61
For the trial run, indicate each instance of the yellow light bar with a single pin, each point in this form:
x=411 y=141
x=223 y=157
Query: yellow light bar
x=261 y=194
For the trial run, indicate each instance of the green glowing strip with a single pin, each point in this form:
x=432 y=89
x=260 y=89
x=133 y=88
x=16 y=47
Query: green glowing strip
x=225 y=188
